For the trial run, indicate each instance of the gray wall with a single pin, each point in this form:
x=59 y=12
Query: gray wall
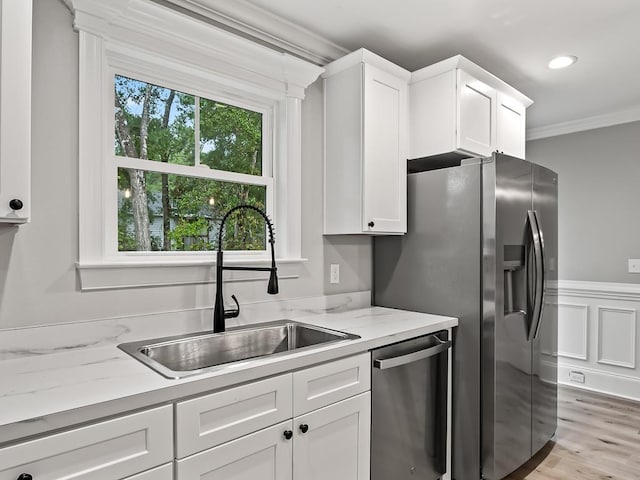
x=599 y=200
x=38 y=280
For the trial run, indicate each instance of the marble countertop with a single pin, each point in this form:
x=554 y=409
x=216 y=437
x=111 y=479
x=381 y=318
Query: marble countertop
x=48 y=392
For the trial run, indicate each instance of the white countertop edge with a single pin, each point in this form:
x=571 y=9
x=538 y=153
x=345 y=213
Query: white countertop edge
x=159 y=390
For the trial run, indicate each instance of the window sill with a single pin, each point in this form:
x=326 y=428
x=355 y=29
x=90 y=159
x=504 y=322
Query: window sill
x=113 y=275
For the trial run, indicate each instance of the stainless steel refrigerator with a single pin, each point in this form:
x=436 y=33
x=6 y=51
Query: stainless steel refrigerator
x=481 y=245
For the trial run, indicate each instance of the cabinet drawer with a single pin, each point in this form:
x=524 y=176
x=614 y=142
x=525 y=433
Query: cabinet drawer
x=165 y=472
x=108 y=450
x=265 y=454
x=208 y=421
x=320 y=386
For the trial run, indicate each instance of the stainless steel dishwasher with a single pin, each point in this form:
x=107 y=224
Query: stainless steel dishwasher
x=409 y=409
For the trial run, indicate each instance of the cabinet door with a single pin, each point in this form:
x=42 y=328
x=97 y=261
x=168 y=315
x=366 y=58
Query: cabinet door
x=264 y=455
x=384 y=152
x=15 y=110
x=334 y=442
x=511 y=126
x=476 y=121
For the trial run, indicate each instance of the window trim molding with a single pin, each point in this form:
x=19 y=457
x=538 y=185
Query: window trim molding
x=131 y=35
x=175 y=271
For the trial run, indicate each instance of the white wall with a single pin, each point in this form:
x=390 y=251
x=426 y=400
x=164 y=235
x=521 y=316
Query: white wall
x=38 y=279
x=599 y=197
x=599 y=230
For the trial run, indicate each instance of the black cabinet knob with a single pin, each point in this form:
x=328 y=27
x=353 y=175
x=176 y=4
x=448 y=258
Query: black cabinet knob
x=371 y=224
x=288 y=434
x=304 y=428
x=25 y=476
x=16 y=204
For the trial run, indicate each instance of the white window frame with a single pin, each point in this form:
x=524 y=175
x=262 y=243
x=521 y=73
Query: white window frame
x=129 y=37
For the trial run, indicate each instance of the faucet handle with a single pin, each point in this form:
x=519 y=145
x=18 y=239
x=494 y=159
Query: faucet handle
x=233 y=313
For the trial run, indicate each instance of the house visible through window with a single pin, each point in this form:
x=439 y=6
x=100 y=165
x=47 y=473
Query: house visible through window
x=182 y=162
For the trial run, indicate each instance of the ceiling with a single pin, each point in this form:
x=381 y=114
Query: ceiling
x=512 y=39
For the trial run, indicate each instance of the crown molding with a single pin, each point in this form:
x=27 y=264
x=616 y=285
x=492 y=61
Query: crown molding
x=588 y=123
x=246 y=19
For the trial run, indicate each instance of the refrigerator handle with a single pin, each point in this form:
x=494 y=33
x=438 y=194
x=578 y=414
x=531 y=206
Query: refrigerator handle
x=543 y=256
x=538 y=298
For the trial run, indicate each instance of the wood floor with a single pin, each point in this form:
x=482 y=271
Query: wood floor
x=598 y=437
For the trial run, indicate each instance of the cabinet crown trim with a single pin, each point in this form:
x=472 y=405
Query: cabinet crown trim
x=363 y=55
x=458 y=61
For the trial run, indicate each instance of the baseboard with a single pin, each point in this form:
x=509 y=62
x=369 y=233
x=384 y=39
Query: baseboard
x=599 y=381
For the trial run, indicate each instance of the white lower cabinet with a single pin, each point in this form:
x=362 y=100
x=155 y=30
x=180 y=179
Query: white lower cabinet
x=214 y=419
x=110 y=450
x=264 y=455
x=328 y=437
x=331 y=382
x=329 y=443
x=311 y=424
x=333 y=442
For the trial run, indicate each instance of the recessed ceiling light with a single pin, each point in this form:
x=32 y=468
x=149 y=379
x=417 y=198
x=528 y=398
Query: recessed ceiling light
x=562 y=61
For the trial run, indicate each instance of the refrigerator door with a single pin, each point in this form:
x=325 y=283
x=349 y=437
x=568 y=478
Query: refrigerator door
x=435 y=268
x=507 y=306
x=545 y=343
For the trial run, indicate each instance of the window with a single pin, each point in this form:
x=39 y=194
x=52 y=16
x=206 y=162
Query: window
x=182 y=162
x=179 y=121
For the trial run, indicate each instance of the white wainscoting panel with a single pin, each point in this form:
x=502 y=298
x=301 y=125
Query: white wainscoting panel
x=573 y=330
x=617 y=336
x=598 y=336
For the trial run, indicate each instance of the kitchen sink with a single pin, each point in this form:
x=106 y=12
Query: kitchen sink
x=185 y=355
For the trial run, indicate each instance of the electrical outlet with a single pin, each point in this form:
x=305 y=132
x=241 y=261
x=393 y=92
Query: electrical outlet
x=634 y=265
x=575 y=376
x=334 y=276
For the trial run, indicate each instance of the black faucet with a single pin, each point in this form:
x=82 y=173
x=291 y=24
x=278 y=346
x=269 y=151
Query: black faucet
x=219 y=313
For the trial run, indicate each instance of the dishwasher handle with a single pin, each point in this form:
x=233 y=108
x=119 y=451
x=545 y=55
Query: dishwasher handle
x=383 y=363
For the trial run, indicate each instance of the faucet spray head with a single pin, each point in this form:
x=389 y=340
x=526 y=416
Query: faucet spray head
x=272 y=288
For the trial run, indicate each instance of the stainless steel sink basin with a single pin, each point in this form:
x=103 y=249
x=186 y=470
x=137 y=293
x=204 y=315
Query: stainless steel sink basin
x=177 y=357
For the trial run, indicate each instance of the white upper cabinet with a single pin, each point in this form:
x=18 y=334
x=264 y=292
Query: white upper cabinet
x=15 y=110
x=461 y=109
x=366 y=145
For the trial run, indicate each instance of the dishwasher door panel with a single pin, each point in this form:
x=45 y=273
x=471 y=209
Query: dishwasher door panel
x=409 y=409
